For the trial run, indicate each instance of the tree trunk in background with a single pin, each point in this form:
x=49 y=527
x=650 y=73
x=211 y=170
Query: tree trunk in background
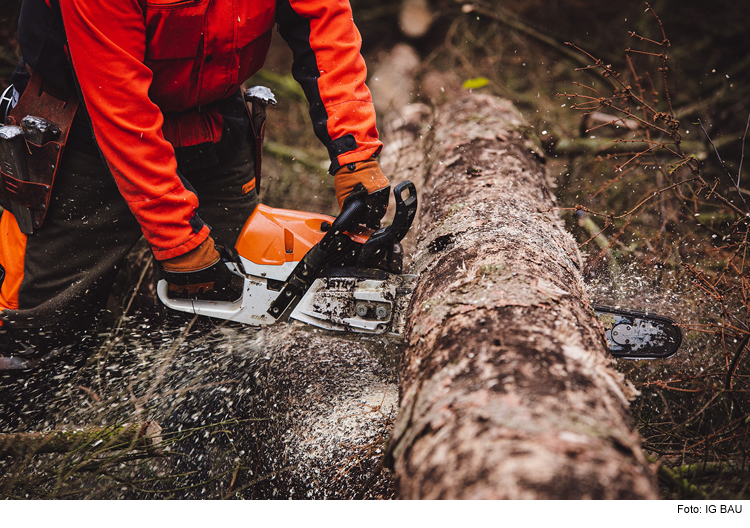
x=505 y=386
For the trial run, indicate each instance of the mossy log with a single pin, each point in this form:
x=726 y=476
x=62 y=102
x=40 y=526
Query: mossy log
x=506 y=392
x=125 y=436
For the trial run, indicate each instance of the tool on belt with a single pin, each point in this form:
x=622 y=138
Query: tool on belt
x=257 y=100
x=8 y=100
x=31 y=147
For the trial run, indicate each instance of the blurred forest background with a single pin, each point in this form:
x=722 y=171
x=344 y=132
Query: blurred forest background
x=667 y=233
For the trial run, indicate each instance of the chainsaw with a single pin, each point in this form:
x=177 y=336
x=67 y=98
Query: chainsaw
x=332 y=273
x=335 y=274
x=638 y=335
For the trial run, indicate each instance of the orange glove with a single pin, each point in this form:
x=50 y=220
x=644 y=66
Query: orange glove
x=200 y=271
x=364 y=179
x=201 y=257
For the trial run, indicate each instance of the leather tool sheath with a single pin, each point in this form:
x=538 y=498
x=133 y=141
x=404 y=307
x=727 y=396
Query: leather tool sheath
x=46 y=114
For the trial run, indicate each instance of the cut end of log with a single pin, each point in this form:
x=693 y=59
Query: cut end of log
x=415 y=18
x=150 y=434
x=392 y=82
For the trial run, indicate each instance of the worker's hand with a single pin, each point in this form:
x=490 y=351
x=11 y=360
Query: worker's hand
x=200 y=273
x=364 y=179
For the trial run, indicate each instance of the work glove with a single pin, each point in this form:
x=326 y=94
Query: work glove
x=201 y=274
x=364 y=179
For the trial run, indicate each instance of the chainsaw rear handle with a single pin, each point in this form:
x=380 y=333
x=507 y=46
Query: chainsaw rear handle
x=218 y=309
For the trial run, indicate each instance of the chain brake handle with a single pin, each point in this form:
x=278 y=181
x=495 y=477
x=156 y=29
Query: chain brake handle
x=334 y=242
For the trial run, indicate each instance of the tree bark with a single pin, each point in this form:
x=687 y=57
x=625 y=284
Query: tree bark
x=505 y=386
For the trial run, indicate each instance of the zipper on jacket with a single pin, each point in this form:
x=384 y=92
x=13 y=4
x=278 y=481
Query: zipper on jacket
x=175 y=3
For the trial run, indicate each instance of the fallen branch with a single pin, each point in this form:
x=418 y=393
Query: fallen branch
x=144 y=435
x=602 y=146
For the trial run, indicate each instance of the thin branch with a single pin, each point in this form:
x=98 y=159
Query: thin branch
x=723 y=166
x=742 y=154
x=736 y=362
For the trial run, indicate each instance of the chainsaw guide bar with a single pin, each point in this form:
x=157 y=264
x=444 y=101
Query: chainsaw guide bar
x=638 y=335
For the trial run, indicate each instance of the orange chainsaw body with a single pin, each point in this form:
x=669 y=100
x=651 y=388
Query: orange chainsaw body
x=272 y=237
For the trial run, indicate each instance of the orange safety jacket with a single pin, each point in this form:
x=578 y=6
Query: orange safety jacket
x=153 y=72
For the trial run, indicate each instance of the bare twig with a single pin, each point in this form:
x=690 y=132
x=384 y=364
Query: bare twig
x=736 y=361
x=742 y=154
x=723 y=165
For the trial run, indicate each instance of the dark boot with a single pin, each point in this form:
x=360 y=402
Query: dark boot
x=26 y=348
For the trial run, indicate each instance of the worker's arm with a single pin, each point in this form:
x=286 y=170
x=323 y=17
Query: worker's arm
x=330 y=68
x=107 y=45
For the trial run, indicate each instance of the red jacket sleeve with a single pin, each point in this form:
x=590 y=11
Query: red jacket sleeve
x=332 y=72
x=107 y=44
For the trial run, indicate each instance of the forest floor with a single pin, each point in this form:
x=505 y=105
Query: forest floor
x=650 y=243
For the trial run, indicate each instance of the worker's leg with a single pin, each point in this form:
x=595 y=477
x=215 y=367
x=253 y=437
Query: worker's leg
x=227 y=194
x=57 y=280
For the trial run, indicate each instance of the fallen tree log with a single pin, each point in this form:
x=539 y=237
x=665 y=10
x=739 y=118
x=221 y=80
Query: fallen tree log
x=505 y=386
